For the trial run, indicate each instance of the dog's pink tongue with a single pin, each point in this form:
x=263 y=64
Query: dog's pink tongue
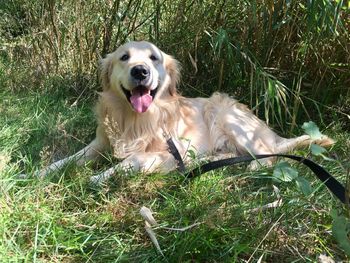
x=140 y=100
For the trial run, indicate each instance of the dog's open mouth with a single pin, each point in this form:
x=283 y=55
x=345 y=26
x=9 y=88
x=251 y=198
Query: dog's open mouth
x=140 y=97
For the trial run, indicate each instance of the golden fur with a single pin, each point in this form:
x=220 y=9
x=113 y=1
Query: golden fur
x=208 y=126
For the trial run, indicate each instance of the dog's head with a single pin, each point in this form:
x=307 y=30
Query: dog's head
x=140 y=73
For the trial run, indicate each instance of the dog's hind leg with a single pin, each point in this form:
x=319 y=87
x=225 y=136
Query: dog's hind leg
x=285 y=145
x=250 y=136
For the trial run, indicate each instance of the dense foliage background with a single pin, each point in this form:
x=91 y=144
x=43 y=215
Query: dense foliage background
x=274 y=55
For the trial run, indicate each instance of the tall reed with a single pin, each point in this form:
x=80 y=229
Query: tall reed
x=270 y=54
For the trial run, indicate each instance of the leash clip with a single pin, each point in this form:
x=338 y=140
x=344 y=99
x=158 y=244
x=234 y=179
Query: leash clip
x=166 y=135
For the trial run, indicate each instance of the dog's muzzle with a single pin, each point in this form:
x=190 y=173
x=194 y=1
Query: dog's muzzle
x=141 y=95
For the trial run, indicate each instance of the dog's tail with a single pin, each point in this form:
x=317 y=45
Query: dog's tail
x=286 y=145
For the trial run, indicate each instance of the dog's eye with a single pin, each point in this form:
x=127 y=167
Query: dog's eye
x=125 y=57
x=153 y=57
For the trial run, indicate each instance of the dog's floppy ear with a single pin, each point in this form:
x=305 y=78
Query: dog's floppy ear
x=106 y=65
x=173 y=68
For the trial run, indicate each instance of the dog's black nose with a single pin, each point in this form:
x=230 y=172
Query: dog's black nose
x=140 y=72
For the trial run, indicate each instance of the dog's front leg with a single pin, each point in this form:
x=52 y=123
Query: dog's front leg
x=162 y=162
x=90 y=152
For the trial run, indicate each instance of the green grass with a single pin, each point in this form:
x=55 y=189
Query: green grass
x=64 y=219
x=287 y=60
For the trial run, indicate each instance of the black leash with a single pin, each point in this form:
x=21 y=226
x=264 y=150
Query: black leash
x=173 y=150
x=332 y=184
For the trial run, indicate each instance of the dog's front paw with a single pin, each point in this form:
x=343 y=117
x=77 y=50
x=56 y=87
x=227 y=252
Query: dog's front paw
x=102 y=177
x=96 y=180
x=33 y=175
x=23 y=176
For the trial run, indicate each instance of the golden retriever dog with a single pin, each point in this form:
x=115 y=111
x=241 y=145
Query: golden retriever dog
x=140 y=107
